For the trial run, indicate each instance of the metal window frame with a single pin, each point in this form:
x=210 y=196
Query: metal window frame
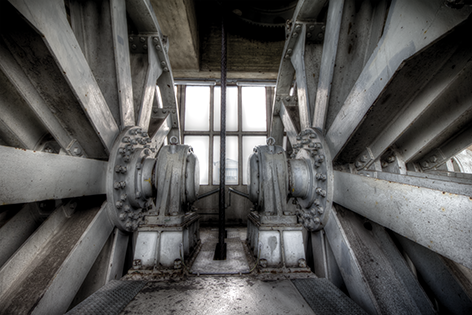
x=211 y=133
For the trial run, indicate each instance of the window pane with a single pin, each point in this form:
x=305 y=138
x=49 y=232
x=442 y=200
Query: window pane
x=248 y=146
x=254 y=108
x=200 y=145
x=197 y=108
x=231 y=108
x=231 y=160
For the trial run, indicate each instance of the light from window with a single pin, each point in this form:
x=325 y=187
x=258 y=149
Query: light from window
x=231 y=160
x=249 y=143
x=231 y=108
x=197 y=108
x=200 y=145
x=254 y=108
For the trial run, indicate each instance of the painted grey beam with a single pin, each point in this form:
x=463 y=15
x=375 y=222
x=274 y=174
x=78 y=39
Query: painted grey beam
x=303 y=92
x=122 y=62
x=154 y=71
x=436 y=219
x=50 y=19
x=14 y=113
x=16 y=231
x=69 y=249
x=308 y=10
x=446 y=151
x=117 y=257
x=143 y=16
x=289 y=126
x=27 y=176
x=159 y=137
x=31 y=97
x=438 y=277
x=449 y=112
x=368 y=259
x=441 y=183
x=330 y=48
x=396 y=45
x=449 y=72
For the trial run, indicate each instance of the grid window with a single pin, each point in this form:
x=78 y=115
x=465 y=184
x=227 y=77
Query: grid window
x=246 y=127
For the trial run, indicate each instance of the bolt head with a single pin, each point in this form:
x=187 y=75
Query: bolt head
x=425 y=164
x=119 y=204
x=391 y=159
x=433 y=159
x=384 y=164
x=320 y=210
x=142 y=39
x=122 y=216
x=289 y=51
x=122 y=184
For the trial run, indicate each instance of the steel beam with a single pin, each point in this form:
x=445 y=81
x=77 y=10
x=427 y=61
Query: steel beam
x=58 y=257
x=159 y=137
x=438 y=277
x=27 y=176
x=16 y=231
x=375 y=273
x=396 y=45
x=447 y=114
x=154 y=71
x=31 y=97
x=289 y=125
x=143 y=16
x=330 y=47
x=50 y=19
x=122 y=62
x=433 y=218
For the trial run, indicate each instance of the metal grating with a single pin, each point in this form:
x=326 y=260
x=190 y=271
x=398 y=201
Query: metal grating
x=111 y=299
x=325 y=298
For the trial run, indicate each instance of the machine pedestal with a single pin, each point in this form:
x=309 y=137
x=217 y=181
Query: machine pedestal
x=161 y=246
x=280 y=244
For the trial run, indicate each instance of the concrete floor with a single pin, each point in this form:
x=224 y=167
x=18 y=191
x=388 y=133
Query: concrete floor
x=236 y=260
x=228 y=294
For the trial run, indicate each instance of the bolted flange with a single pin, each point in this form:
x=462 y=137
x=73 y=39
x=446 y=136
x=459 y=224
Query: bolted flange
x=130 y=179
x=311 y=179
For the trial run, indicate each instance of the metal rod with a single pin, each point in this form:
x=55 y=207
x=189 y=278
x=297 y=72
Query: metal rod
x=237 y=192
x=221 y=247
x=208 y=194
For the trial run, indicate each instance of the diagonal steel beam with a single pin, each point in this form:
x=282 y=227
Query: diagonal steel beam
x=27 y=176
x=396 y=45
x=436 y=219
x=50 y=19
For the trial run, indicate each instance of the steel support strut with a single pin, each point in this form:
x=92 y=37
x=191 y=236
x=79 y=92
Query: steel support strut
x=220 y=253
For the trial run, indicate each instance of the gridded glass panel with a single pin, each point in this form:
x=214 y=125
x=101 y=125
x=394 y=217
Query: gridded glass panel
x=231 y=160
x=200 y=145
x=197 y=108
x=231 y=108
x=249 y=143
x=254 y=108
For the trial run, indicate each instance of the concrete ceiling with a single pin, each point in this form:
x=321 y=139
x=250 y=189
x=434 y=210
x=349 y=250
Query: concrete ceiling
x=194 y=33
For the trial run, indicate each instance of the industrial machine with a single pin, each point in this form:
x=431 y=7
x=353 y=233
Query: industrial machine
x=373 y=98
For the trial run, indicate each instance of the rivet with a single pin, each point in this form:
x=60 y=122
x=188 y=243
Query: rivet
x=155 y=40
x=166 y=69
x=320 y=35
x=122 y=216
x=308 y=35
x=163 y=63
x=311 y=28
x=287 y=98
x=122 y=184
x=289 y=51
x=142 y=39
x=133 y=47
x=145 y=47
x=119 y=204
x=117 y=185
x=123 y=197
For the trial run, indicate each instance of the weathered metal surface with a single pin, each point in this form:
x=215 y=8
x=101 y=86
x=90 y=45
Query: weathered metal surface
x=392 y=50
x=51 y=20
x=373 y=269
x=28 y=176
x=433 y=218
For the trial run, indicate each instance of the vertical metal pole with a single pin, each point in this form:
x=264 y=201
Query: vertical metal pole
x=220 y=253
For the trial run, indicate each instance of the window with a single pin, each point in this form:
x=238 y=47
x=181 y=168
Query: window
x=246 y=127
